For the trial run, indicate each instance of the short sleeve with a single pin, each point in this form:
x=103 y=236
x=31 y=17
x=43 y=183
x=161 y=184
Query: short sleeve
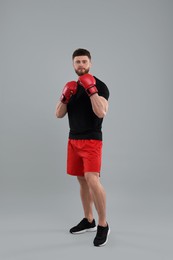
x=102 y=89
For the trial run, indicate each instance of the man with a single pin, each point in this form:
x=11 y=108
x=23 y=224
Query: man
x=86 y=103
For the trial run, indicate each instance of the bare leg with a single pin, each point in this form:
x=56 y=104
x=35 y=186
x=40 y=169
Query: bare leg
x=98 y=194
x=86 y=198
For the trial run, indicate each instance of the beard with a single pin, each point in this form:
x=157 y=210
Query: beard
x=81 y=72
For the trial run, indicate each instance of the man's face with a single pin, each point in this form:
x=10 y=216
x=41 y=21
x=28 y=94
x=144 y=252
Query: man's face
x=81 y=64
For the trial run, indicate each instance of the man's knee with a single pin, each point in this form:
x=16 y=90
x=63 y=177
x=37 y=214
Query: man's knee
x=91 y=178
x=82 y=180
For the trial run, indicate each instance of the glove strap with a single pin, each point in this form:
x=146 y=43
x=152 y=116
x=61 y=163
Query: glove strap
x=92 y=90
x=63 y=99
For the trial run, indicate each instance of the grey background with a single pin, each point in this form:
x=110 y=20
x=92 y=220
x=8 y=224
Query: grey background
x=131 y=46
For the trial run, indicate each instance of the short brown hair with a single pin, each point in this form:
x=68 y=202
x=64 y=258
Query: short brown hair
x=81 y=52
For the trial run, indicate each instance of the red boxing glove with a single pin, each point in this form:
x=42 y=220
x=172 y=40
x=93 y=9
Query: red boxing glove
x=69 y=89
x=89 y=84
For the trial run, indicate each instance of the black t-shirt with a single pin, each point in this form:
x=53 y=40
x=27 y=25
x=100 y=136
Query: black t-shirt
x=83 y=122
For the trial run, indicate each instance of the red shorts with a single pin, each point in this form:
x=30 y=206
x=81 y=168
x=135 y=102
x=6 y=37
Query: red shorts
x=83 y=156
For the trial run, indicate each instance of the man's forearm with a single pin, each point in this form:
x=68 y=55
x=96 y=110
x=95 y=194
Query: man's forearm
x=99 y=105
x=61 y=110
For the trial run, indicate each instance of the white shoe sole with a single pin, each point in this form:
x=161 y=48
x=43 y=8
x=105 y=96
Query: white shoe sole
x=85 y=230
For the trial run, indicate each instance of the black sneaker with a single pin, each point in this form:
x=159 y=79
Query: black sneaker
x=101 y=236
x=84 y=226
